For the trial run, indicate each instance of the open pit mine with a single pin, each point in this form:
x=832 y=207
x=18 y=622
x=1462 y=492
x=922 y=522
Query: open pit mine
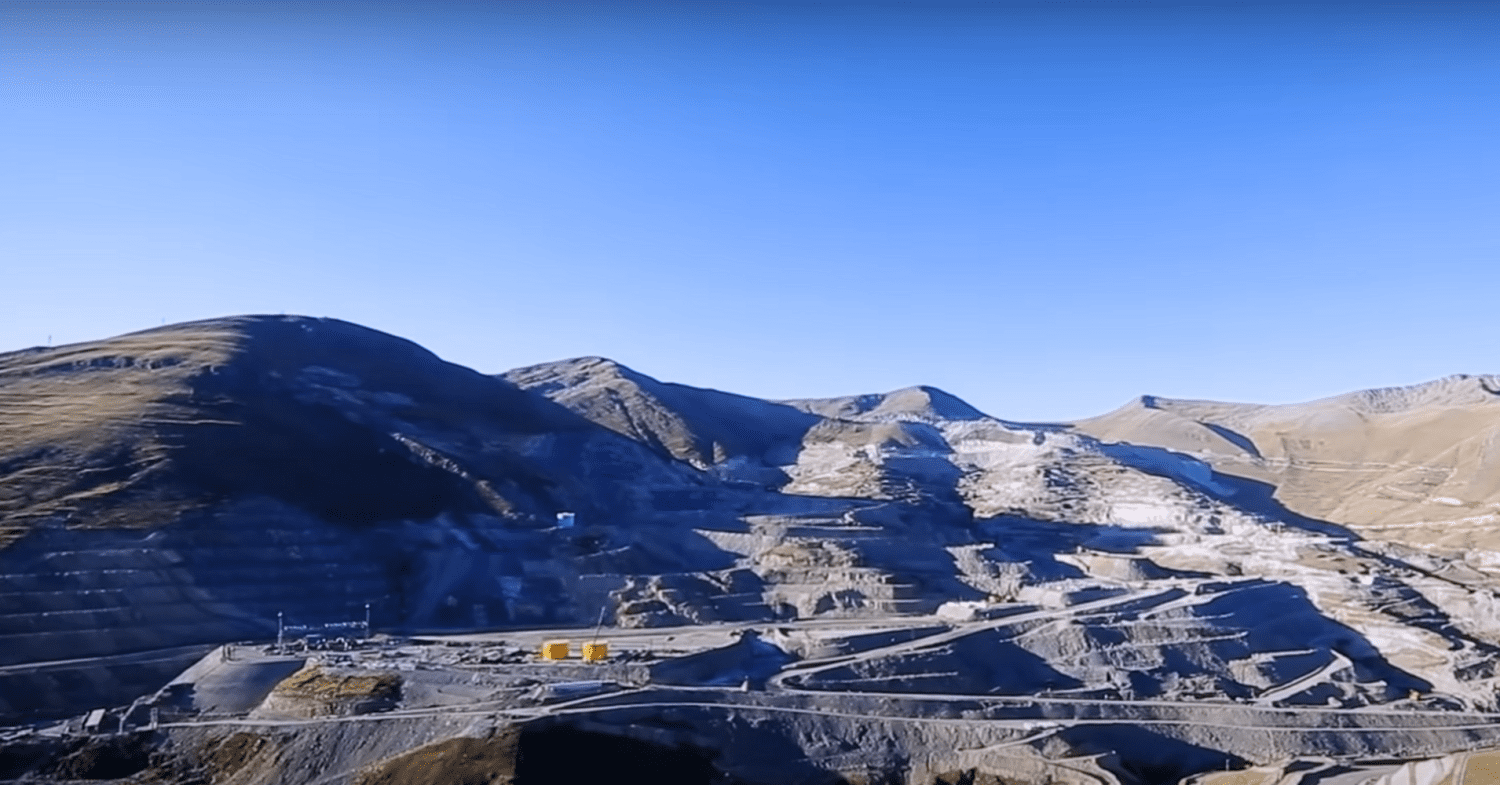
x=290 y=550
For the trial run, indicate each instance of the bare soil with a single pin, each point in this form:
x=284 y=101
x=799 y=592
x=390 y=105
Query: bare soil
x=235 y=752
x=462 y=761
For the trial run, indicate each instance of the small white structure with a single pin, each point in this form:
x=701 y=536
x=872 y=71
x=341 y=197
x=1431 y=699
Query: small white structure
x=957 y=611
x=565 y=520
x=93 y=721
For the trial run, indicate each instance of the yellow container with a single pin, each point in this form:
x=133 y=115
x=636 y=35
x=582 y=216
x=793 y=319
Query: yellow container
x=595 y=652
x=555 y=650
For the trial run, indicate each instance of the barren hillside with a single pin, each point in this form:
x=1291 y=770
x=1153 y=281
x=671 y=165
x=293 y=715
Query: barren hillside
x=1418 y=465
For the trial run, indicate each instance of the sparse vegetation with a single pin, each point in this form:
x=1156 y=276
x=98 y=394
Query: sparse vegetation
x=232 y=754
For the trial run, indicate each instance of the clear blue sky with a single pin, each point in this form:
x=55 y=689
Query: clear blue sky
x=1045 y=208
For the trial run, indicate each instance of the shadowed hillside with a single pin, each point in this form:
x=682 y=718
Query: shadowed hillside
x=185 y=484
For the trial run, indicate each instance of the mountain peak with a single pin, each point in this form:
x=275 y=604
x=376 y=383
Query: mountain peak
x=919 y=402
x=929 y=401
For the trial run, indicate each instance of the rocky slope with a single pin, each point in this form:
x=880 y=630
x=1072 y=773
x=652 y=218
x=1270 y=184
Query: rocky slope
x=946 y=503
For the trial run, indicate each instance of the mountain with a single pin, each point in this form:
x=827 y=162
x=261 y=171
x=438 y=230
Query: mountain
x=1418 y=465
x=947 y=504
x=167 y=490
x=922 y=404
x=184 y=485
x=700 y=427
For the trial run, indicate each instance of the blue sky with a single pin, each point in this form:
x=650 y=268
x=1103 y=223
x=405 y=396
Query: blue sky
x=1045 y=208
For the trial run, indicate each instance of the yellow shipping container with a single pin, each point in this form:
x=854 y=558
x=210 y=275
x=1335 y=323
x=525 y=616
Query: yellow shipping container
x=555 y=650
x=595 y=652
